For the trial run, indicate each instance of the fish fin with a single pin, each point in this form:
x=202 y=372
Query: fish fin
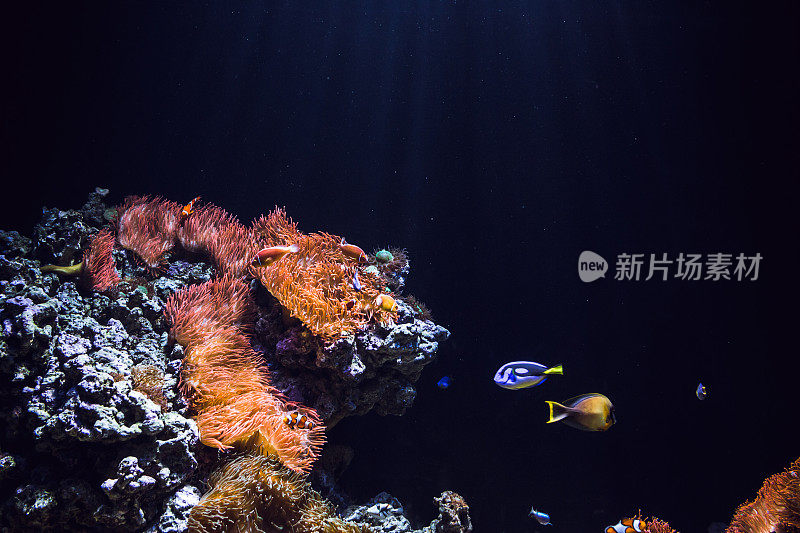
x=294 y=248
x=557 y=411
x=557 y=370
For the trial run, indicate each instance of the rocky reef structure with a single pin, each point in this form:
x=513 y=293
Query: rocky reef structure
x=384 y=514
x=95 y=433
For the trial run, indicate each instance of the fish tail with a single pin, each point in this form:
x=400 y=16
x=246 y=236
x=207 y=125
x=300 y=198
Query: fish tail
x=556 y=370
x=557 y=411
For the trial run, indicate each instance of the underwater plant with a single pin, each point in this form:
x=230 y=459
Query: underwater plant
x=775 y=508
x=256 y=493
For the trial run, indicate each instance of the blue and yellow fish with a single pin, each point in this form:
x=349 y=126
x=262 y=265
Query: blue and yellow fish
x=444 y=382
x=522 y=374
x=589 y=412
x=701 y=392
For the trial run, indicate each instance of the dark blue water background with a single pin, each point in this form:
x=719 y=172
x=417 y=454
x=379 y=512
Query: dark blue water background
x=495 y=141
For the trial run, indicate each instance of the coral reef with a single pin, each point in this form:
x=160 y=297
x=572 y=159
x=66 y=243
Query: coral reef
x=775 y=508
x=82 y=449
x=88 y=441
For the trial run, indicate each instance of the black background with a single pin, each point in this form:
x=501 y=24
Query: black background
x=495 y=141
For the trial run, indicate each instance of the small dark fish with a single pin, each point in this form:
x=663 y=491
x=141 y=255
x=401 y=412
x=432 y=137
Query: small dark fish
x=444 y=382
x=701 y=391
x=356 y=283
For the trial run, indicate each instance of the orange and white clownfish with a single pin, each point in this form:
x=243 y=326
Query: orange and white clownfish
x=188 y=209
x=627 y=525
x=351 y=250
x=385 y=302
x=267 y=256
x=297 y=420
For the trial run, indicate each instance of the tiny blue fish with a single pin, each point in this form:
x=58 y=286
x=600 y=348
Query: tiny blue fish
x=542 y=518
x=356 y=283
x=444 y=382
x=701 y=391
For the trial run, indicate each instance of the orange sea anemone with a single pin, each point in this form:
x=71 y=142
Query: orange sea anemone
x=776 y=507
x=148 y=227
x=255 y=493
x=212 y=230
x=226 y=381
x=99 y=269
x=316 y=284
x=199 y=311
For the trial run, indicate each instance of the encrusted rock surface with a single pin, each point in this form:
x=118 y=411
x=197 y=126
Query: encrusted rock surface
x=384 y=514
x=85 y=448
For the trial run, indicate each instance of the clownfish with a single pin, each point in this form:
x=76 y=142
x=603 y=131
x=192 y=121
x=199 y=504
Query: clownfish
x=627 y=525
x=385 y=302
x=188 y=209
x=522 y=374
x=267 y=256
x=589 y=412
x=297 y=420
x=351 y=250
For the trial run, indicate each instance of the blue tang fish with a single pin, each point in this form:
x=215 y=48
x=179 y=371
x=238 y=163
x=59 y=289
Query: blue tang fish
x=444 y=382
x=542 y=518
x=522 y=374
x=701 y=391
